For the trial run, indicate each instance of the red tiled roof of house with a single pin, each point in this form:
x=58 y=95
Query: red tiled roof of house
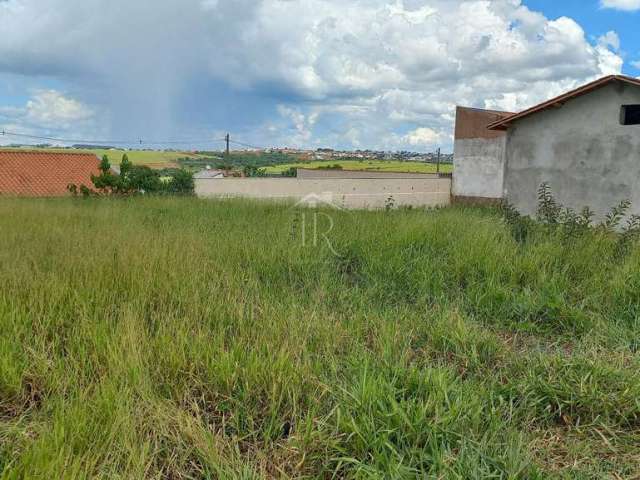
x=44 y=174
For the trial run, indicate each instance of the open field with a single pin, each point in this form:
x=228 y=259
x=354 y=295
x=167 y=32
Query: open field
x=137 y=157
x=179 y=338
x=367 y=165
x=160 y=159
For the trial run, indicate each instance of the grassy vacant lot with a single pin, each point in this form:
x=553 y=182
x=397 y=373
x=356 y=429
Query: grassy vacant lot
x=177 y=338
x=367 y=165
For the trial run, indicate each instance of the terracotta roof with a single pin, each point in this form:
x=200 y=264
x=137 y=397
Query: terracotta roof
x=27 y=173
x=556 y=102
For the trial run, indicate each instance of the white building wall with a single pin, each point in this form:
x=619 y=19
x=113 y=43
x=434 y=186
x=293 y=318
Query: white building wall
x=479 y=155
x=478 y=167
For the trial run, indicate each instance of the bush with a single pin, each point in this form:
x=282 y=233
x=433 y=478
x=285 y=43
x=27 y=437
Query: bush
x=137 y=179
x=557 y=219
x=181 y=183
x=143 y=179
x=253 y=171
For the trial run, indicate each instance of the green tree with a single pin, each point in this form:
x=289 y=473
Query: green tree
x=142 y=179
x=106 y=182
x=181 y=183
x=105 y=166
x=125 y=166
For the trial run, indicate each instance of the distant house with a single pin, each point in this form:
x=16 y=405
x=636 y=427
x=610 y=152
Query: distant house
x=585 y=144
x=209 y=173
x=44 y=174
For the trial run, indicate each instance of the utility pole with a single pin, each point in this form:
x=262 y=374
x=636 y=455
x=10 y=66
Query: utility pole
x=226 y=139
x=438 y=164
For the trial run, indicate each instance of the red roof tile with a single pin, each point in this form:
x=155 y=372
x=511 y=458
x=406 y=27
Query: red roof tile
x=44 y=174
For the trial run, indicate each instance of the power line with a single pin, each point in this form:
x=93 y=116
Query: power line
x=245 y=145
x=113 y=142
x=226 y=140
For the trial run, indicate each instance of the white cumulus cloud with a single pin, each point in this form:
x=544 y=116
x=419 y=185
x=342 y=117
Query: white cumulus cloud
x=422 y=136
x=312 y=72
x=52 y=108
x=49 y=112
x=625 y=5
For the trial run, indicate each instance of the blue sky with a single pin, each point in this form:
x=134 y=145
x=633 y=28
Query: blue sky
x=597 y=21
x=380 y=74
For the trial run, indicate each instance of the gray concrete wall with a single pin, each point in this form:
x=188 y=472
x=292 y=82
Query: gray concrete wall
x=581 y=149
x=478 y=167
x=308 y=173
x=479 y=154
x=343 y=193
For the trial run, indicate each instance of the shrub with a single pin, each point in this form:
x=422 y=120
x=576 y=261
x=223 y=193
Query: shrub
x=181 y=183
x=136 y=179
x=548 y=209
x=520 y=225
x=253 y=171
x=555 y=218
x=614 y=217
x=143 y=179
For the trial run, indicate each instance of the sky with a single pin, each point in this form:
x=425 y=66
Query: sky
x=346 y=74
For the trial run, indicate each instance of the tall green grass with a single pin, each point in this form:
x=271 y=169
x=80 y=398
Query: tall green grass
x=178 y=338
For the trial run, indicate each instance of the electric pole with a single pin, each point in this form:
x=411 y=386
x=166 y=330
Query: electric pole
x=438 y=164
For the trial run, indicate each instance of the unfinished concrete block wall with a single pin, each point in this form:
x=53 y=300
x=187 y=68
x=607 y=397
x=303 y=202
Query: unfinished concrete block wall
x=479 y=155
x=581 y=149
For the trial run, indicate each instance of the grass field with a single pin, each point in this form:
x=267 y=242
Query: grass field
x=137 y=157
x=367 y=165
x=177 y=338
x=143 y=157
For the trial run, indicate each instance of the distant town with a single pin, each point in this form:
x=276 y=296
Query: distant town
x=330 y=154
x=303 y=154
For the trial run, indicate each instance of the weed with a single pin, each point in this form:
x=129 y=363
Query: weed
x=630 y=235
x=615 y=215
x=180 y=338
x=389 y=203
x=549 y=212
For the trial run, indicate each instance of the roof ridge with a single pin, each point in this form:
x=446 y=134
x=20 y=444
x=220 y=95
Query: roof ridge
x=502 y=124
x=42 y=152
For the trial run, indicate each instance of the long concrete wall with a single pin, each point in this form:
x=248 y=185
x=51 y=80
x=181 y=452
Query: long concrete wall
x=581 y=149
x=342 y=193
x=309 y=173
x=479 y=155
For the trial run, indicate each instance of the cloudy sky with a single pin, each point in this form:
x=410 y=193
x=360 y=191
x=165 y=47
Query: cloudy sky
x=382 y=74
